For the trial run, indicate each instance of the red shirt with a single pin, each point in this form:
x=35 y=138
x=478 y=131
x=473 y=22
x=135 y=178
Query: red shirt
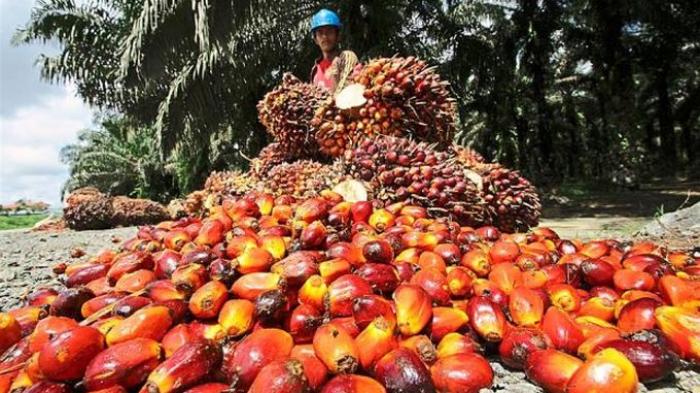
x=319 y=74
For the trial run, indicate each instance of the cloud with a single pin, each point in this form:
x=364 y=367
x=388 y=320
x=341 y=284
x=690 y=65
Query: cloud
x=30 y=141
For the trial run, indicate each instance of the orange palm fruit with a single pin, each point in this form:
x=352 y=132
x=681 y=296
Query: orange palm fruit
x=504 y=251
x=401 y=370
x=28 y=317
x=459 y=281
x=105 y=325
x=434 y=283
x=343 y=291
x=456 y=343
x=254 y=352
x=462 y=373
x=595 y=249
x=638 y=315
x=206 y=302
x=211 y=232
x=22 y=381
x=236 y=245
x=477 y=261
x=353 y=383
x=506 y=276
x=41 y=297
x=519 y=343
x=48 y=328
x=381 y=219
x=297 y=267
x=682 y=328
x=312 y=209
x=128 y=263
x=367 y=308
x=526 y=306
x=126 y=364
x=67 y=355
x=413 y=309
x=562 y=330
x=135 y=281
x=251 y=285
x=446 y=320
x=598 y=307
x=625 y=279
x=186 y=367
x=254 y=259
x=408 y=255
x=375 y=341
x=175 y=239
x=336 y=349
x=432 y=260
x=281 y=376
x=551 y=369
x=314 y=369
x=422 y=346
x=597 y=340
x=313 y=292
x=607 y=371
x=175 y=338
x=676 y=291
x=486 y=318
x=163 y=290
x=331 y=269
x=189 y=278
x=347 y=251
x=237 y=316
x=534 y=279
x=149 y=322
x=10 y=332
x=564 y=296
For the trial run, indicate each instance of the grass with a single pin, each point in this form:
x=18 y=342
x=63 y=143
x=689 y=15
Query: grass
x=21 y=221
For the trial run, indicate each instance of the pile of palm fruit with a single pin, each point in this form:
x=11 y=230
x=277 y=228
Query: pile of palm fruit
x=325 y=295
x=391 y=130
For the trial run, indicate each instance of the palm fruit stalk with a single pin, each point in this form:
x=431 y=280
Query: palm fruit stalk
x=390 y=96
x=286 y=113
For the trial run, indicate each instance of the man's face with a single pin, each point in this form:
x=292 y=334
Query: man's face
x=326 y=37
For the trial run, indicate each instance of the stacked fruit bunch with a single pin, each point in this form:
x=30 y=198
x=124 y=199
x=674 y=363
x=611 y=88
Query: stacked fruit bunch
x=283 y=295
x=392 y=96
x=302 y=178
x=287 y=111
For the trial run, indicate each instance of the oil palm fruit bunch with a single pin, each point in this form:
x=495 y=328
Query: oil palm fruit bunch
x=467 y=155
x=325 y=295
x=302 y=178
x=399 y=169
x=271 y=155
x=391 y=96
x=286 y=113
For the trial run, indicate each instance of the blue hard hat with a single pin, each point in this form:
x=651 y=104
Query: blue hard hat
x=325 y=17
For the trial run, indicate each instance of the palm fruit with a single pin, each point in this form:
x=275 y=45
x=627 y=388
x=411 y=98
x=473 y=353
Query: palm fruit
x=398 y=169
x=270 y=156
x=286 y=113
x=303 y=178
x=391 y=96
x=466 y=155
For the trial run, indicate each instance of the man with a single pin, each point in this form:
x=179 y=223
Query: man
x=332 y=70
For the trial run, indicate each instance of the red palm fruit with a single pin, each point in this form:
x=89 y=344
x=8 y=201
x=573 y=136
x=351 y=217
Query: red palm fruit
x=375 y=341
x=85 y=274
x=519 y=343
x=343 y=290
x=477 y=261
x=282 y=213
x=413 y=309
x=41 y=297
x=596 y=272
x=128 y=263
x=254 y=352
x=534 y=279
x=456 y=343
x=166 y=262
x=434 y=283
x=298 y=267
x=150 y=322
x=48 y=387
x=186 y=367
x=446 y=320
x=527 y=261
x=487 y=289
x=175 y=338
x=608 y=370
x=163 y=290
x=408 y=255
x=135 y=281
x=126 y=364
x=346 y=323
x=67 y=355
x=236 y=245
x=626 y=279
x=237 y=316
x=313 y=292
x=113 y=389
x=211 y=387
x=302 y=323
x=639 y=262
x=488 y=233
x=402 y=371
x=651 y=361
x=383 y=278
x=676 y=290
x=604 y=292
x=313 y=236
x=367 y=308
x=414 y=211
x=504 y=251
x=353 y=383
x=598 y=307
x=251 y=285
x=10 y=332
x=332 y=269
x=551 y=369
x=682 y=328
x=462 y=373
x=564 y=296
x=48 y=328
x=526 y=307
x=360 y=211
x=271 y=306
x=596 y=340
x=13 y=359
x=459 y=281
x=449 y=252
x=175 y=239
x=206 y=302
x=381 y=219
x=405 y=270
x=431 y=260
x=281 y=376
x=562 y=330
x=347 y=251
x=336 y=349
x=312 y=209
x=595 y=249
x=274 y=245
x=178 y=309
x=189 y=278
x=486 y=318
x=211 y=232
x=314 y=369
x=69 y=301
x=98 y=303
x=222 y=270
x=506 y=276
x=378 y=251
x=634 y=294
x=638 y=315
x=422 y=346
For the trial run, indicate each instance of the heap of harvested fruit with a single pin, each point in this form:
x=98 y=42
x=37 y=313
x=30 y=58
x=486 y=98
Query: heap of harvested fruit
x=392 y=96
x=283 y=295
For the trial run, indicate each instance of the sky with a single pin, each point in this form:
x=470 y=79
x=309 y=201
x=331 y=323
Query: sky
x=37 y=118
